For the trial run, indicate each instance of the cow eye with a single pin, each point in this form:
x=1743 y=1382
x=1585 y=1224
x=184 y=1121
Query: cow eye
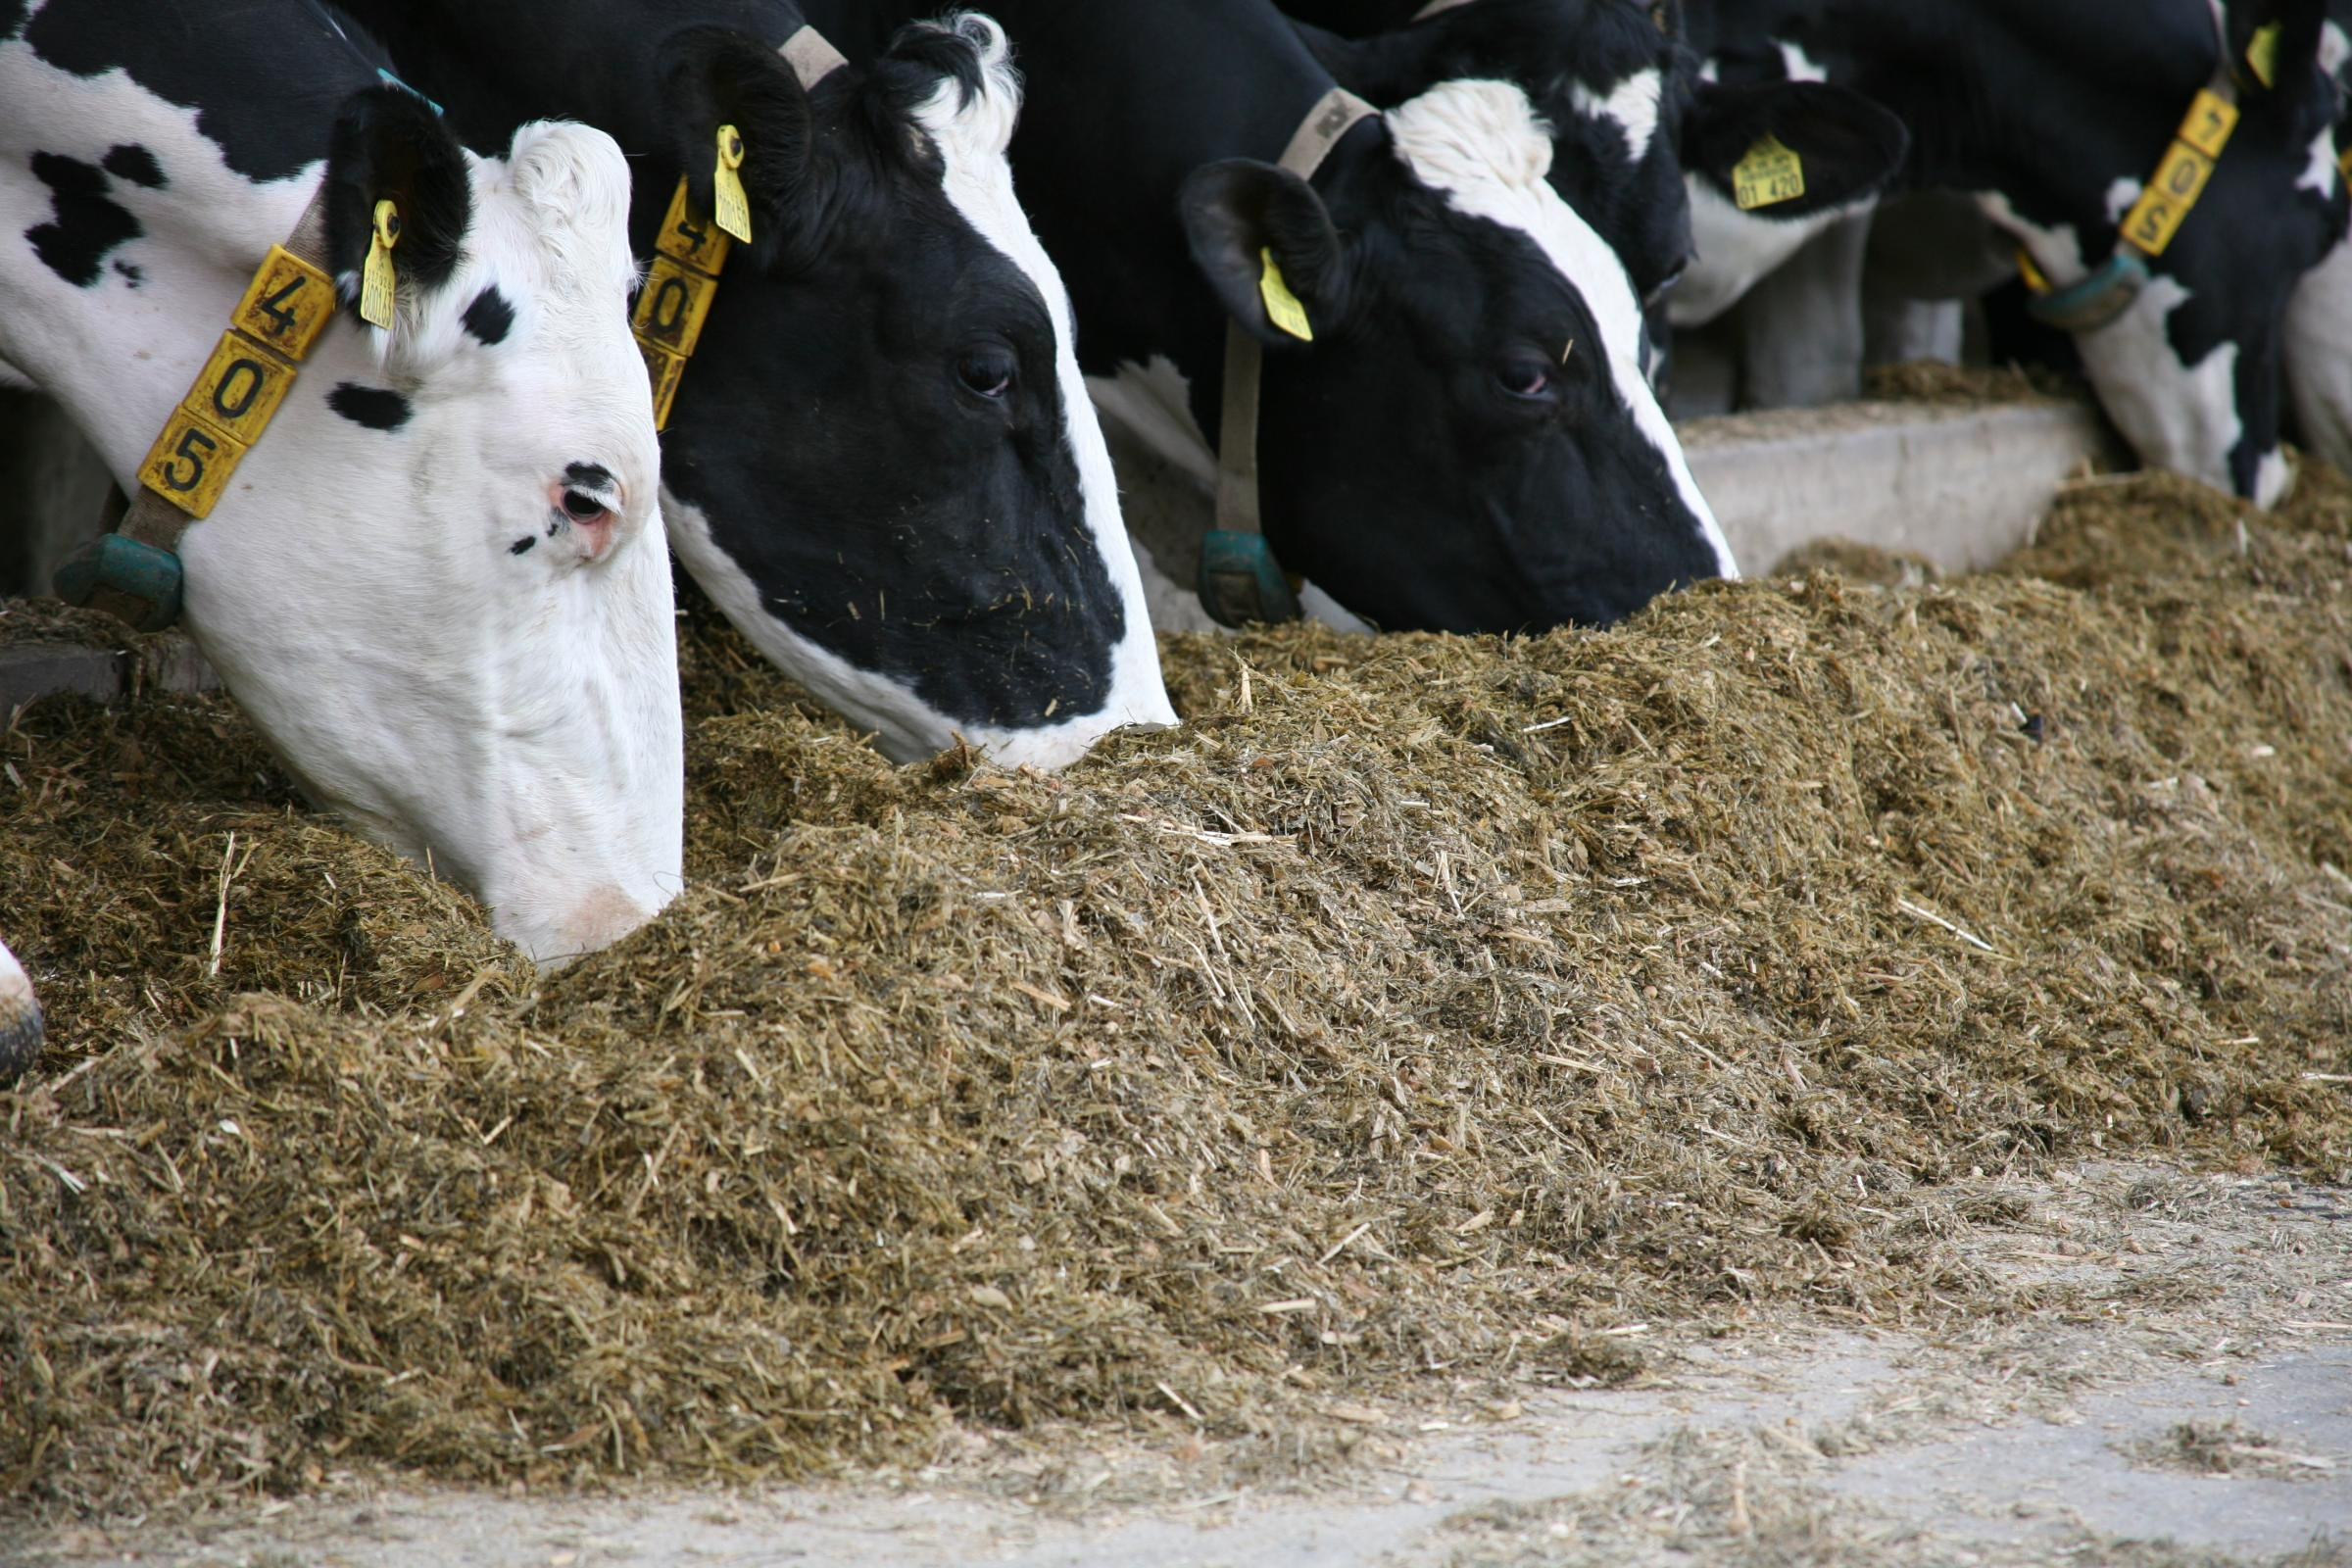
x=1528 y=378
x=987 y=369
x=581 y=506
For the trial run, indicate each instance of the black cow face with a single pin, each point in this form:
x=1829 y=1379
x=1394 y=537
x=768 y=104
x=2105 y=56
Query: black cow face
x=893 y=355
x=1468 y=444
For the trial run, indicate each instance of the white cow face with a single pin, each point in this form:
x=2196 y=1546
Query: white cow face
x=442 y=591
x=437 y=583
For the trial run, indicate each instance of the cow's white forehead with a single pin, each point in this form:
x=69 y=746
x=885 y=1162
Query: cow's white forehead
x=1483 y=146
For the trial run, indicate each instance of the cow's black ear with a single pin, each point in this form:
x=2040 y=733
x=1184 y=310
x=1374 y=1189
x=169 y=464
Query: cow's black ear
x=1235 y=213
x=713 y=76
x=389 y=145
x=1850 y=145
x=1365 y=67
x=2280 y=38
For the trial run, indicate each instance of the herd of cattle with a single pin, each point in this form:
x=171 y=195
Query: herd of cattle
x=1416 y=265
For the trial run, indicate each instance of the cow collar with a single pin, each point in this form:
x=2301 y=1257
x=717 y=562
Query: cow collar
x=133 y=573
x=2147 y=229
x=1240 y=579
x=692 y=247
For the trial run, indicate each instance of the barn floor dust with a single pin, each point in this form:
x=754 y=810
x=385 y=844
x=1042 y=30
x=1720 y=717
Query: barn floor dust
x=1422 y=1003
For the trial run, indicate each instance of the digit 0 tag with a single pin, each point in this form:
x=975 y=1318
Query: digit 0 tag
x=673 y=306
x=1283 y=308
x=727 y=186
x=378 y=286
x=240 y=388
x=1771 y=174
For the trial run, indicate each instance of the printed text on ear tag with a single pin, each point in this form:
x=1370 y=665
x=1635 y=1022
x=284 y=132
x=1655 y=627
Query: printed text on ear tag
x=733 y=208
x=2262 y=54
x=1770 y=173
x=1282 y=305
x=376 y=281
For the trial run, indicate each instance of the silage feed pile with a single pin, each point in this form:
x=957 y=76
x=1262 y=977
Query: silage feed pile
x=1422 y=1011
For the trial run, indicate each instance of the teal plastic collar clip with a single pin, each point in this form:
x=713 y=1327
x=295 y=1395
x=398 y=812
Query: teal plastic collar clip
x=136 y=583
x=2096 y=301
x=1241 y=582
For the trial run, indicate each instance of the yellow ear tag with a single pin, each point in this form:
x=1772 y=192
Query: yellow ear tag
x=2033 y=274
x=1282 y=305
x=734 y=206
x=2262 y=54
x=376 y=281
x=1771 y=174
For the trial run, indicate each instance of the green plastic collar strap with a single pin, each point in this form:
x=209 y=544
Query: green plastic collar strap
x=1240 y=580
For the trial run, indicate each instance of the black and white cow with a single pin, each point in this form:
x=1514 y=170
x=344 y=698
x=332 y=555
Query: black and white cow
x=1632 y=116
x=1468 y=443
x=881 y=463
x=2319 y=318
x=437 y=583
x=2054 y=113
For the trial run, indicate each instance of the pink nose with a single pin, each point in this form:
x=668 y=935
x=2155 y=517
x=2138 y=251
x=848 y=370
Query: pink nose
x=601 y=917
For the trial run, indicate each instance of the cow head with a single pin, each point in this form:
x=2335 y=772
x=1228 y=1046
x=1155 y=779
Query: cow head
x=883 y=465
x=1468 y=443
x=1850 y=148
x=2190 y=370
x=438 y=584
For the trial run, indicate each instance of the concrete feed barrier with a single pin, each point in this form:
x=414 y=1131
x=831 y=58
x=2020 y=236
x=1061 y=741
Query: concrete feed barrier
x=1960 y=486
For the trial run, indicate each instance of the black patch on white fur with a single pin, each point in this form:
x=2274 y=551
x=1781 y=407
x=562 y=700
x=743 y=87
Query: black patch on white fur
x=388 y=144
x=378 y=408
x=136 y=163
x=130 y=275
x=490 y=318
x=589 y=476
x=522 y=546
x=88 y=223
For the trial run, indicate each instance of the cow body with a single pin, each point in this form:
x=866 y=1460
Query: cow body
x=2319 y=318
x=1468 y=442
x=881 y=463
x=437 y=583
x=2053 y=116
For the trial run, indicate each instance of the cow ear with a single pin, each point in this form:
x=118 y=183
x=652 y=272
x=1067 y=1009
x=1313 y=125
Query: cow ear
x=713 y=76
x=1237 y=213
x=1849 y=146
x=390 y=145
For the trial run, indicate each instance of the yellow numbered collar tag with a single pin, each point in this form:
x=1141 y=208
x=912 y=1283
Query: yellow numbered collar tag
x=1771 y=174
x=734 y=209
x=377 y=282
x=1282 y=305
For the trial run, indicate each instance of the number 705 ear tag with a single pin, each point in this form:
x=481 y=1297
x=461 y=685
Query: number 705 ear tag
x=1282 y=305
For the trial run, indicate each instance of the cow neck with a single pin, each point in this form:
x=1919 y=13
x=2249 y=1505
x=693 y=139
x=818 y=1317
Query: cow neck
x=691 y=250
x=2171 y=194
x=1240 y=579
x=133 y=573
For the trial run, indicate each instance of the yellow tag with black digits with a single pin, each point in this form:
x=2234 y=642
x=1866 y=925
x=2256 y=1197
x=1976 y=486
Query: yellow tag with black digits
x=190 y=463
x=673 y=306
x=1282 y=305
x=2262 y=54
x=379 y=285
x=727 y=186
x=288 y=304
x=665 y=370
x=2169 y=199
x=2212 y=121
x=1771 y=174
x=688 y=237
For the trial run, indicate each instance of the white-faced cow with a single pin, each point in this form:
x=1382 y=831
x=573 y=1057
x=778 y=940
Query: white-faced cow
x=1467 y=443
x=881 y=463
x=1632 y=116
x=436 y=583
x=2059 y=115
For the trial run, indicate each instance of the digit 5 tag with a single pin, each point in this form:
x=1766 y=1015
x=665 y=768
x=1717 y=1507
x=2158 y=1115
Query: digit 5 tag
x=734 y=209
x=1282 y=305
x=378 y=286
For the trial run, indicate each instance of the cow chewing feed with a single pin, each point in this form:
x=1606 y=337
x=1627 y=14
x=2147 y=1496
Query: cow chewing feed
x=880 y=464
x=512 y=719
x=1468 y=443
x=2055 y=115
